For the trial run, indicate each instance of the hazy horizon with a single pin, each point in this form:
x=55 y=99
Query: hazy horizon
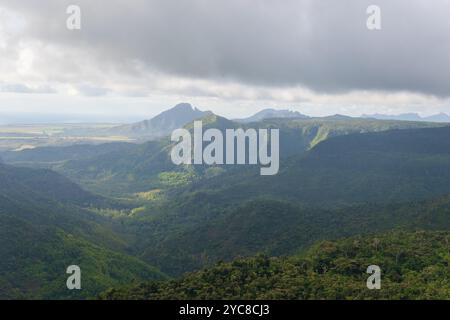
x=15 y=118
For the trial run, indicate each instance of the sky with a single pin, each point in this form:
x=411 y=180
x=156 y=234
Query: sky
x=133 y=59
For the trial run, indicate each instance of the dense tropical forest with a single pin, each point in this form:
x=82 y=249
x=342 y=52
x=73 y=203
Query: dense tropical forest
x=350 y=193
x=415 y=266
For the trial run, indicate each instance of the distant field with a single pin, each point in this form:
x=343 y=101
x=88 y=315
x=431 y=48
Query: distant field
x=19 y=137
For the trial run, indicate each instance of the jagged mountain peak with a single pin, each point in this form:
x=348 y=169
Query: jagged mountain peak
x=162 y=124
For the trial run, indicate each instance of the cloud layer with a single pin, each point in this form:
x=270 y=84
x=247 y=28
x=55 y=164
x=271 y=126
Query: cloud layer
x=304 y=49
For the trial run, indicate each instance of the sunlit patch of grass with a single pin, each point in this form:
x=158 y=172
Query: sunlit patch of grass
x=152 y=195
x=175 y=179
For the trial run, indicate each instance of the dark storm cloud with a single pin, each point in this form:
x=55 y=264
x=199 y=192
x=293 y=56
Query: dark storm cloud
x=321 y=44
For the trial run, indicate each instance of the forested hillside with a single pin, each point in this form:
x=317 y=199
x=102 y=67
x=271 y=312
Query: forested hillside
x=413 y=266
x=44 y=229
x=390 y=166
x=190 y=236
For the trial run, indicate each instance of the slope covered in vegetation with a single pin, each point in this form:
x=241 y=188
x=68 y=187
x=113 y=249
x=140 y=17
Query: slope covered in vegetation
x=413 y=266
x=44 y=229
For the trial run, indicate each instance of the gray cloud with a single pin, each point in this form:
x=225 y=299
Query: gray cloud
x=322 y=45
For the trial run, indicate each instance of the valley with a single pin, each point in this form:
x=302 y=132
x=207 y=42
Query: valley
x=128 y=215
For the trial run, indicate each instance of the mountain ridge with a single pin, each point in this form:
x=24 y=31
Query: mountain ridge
x=270 y=113
x=440 y=117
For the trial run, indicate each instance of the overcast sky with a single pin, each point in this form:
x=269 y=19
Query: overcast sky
x=136 y=58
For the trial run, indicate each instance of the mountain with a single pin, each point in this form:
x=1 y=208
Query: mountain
x=441 y=117
x=161 y=125
x=413 y=266
x=44 y=228
x=336 y=117
x=272 y=113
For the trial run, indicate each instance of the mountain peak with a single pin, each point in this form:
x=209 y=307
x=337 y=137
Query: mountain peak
x=184 y=106
x=161 y=125
x=181 y=110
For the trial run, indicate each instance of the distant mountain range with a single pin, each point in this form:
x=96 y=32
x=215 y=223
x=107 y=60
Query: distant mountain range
x=441 y=117
x=271 y=114
x=184 y=113
x=163 y=124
